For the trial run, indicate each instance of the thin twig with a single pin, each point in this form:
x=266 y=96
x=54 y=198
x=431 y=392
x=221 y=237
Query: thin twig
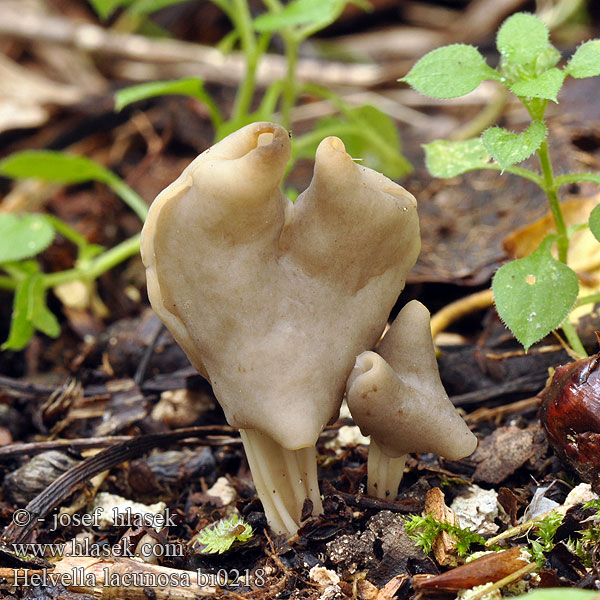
x=460 y=308
x=205 y=62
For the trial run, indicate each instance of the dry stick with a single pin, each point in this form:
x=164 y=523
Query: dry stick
x=209 y=64
x=361 y=501
x=460 y=308
x=76 y=477
x=523 y=527
x=528 y=568
x=528 y=384
x=33 y=448
x=140 y=373
x=25 y=387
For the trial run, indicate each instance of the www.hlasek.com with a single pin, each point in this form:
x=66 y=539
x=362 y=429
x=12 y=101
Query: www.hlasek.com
x=124 y=549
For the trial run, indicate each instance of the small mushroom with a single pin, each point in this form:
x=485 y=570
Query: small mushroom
x=273 y=301
x=395 y=395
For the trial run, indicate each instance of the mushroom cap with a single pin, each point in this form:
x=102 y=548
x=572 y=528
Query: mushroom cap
x=396 y=395
x=270 y=300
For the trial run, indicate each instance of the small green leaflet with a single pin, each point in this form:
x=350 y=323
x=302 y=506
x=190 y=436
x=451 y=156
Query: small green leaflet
x=54 y=166
x=30 y=313
x=316 y=13
x=509 y=148
x=595 y=222
x=449 y=72
x=586 y=60
x=534 y=294
x=521 y=38
x=219 y=537
x=191 y=86
x=547 y=85
x=448 y=159
x=23 y=237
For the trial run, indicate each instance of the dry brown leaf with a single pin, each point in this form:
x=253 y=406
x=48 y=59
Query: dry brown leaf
x=503 y=452
x=487 y=569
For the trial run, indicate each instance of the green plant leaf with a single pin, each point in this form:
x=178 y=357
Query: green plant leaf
x=449 y=72
x=586 y=60
x=509 y=148
x=191 y=86
x=547 y=85
x=58 y=167
x=21 y=328
x=147 y=7
x=521 y=38
x=595 y=222
x=445 y=159
x=534 y=294
x=105 y=8
x=367 y=133
x=559 y=594
x=30 y=313
x=23 y=236
x=315 y=13
x=61 y=167
x=39 y=314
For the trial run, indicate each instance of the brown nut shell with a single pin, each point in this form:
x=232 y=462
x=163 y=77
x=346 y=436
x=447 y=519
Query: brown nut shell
x=570 y=414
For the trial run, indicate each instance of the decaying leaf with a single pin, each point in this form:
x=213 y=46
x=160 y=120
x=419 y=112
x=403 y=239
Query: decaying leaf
x=504 y=451
x=489 y=568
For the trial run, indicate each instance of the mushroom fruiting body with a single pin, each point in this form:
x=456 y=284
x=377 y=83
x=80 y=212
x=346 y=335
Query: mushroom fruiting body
x=395 y=395
x=272 y=301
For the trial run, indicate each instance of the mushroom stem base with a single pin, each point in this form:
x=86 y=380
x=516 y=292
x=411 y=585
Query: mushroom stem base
x=283 y=479
x=383 y=473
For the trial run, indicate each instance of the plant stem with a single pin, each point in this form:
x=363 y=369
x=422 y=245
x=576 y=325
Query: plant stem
x=576 y=178
x=242 y=21
x=536 y=109
x=290 y=87
x=130 y=197
x=520 y=171
x=572 y=337
x=591 y=299
x=562 y=241
x=483 y=119
x=97 y=266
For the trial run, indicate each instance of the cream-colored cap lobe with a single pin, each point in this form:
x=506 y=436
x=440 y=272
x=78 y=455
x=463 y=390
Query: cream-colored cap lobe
x=396 y=395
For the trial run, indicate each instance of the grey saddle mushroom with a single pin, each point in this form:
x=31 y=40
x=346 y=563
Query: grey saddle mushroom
x=395 y=395
x=272 y=300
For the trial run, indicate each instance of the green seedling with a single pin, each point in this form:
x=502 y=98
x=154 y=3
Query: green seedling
x=559 y=594
x=367 y=132
x=424 y=529
x=534 y=295
x=24 y=237
x=587 y=543
x=543 y=537
x=220 y=536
